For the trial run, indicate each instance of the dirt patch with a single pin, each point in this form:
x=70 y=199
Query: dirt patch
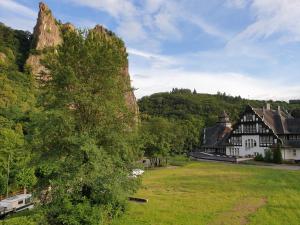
x=240 y=213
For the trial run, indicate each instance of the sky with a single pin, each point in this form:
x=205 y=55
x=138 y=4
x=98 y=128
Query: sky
x=247 y=48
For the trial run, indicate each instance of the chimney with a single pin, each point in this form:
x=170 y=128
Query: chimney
x=268 y=106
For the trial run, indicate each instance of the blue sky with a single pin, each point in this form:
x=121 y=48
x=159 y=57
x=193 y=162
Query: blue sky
x=242 y=47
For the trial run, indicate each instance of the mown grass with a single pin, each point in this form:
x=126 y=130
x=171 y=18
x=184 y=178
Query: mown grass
x=215 y=193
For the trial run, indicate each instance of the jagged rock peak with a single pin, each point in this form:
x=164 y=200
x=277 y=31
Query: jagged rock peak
x=100 y=28
x=43 y=7
x=68 y=26
x=46 y=32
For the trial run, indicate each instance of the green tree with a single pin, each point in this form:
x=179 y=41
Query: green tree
x=268 y=155
x=277 y=156
x=26 y=178
x=83 y=136
x=157 y=138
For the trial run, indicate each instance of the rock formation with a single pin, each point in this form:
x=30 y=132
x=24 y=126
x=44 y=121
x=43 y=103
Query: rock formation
x=47 y=33
x=129 y=95
x=2 y=57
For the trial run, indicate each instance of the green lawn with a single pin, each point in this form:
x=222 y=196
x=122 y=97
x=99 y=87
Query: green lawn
x=216 y=193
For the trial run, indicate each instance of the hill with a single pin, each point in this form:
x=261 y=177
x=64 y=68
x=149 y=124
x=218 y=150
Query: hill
x=175 y=120
x=183 y=104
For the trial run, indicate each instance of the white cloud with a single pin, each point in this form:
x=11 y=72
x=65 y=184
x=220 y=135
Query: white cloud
x=16 y=15
x=18 y=23
x=116 y=8
x=18 y=8
x=274 y=17
x=153 y=20
x=206 y=27
x=155 y=60
x=151 y=81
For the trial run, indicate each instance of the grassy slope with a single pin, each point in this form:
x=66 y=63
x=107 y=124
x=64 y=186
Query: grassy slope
x=215 y=193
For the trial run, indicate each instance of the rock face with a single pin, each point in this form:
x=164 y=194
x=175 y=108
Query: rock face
x=47 y=33
x=2 y=57
x=129 y=95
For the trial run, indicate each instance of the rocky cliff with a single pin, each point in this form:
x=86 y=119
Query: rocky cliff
x=129 y=95
x=47 y=33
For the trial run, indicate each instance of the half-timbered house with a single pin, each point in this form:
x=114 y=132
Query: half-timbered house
x=260 y=129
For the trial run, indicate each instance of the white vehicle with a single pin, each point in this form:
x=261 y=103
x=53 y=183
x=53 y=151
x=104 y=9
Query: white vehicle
x=137 y=172
x=16 y=203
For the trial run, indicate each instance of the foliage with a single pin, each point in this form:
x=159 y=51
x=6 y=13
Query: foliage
x=15 y=44
x=268 y=155
x=259 y=157
x=179 y=160
x=16 y=102
x=277 y=156
x=83 y=136
x=162 y=137
x=3 y=181
x=26 y=178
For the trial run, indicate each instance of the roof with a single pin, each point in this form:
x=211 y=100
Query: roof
x=224 y=118
x=216 y=135
x=279 y=121
x=15 y=198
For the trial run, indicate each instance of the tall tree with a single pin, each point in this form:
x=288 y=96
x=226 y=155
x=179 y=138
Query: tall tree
x=85 y=140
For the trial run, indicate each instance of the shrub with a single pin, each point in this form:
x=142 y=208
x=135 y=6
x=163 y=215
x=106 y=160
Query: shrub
x=268 y=156
x=259 y=157
x=179 y=160
x=277 y=156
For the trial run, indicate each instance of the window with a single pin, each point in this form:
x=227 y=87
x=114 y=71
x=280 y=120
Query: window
x=294 y=152
x=20 y=202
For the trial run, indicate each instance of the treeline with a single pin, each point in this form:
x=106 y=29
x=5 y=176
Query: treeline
x=173 y=121
x=70 y=137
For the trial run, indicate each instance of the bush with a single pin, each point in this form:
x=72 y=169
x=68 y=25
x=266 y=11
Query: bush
x=259 y=157
x=2 y=184
x=277 y=156
x=178 y=160
x=268 y=156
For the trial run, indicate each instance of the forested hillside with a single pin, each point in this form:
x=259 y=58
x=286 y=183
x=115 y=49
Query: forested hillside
x=17 y=101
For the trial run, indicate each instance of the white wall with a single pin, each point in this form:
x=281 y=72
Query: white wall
x=288 y=154
x=243 y=151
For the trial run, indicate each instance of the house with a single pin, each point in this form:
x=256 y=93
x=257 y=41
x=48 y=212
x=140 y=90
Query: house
x=215 y=137
x=260 y=129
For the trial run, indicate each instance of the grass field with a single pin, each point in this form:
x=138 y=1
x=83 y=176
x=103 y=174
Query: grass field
x=216 y=193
